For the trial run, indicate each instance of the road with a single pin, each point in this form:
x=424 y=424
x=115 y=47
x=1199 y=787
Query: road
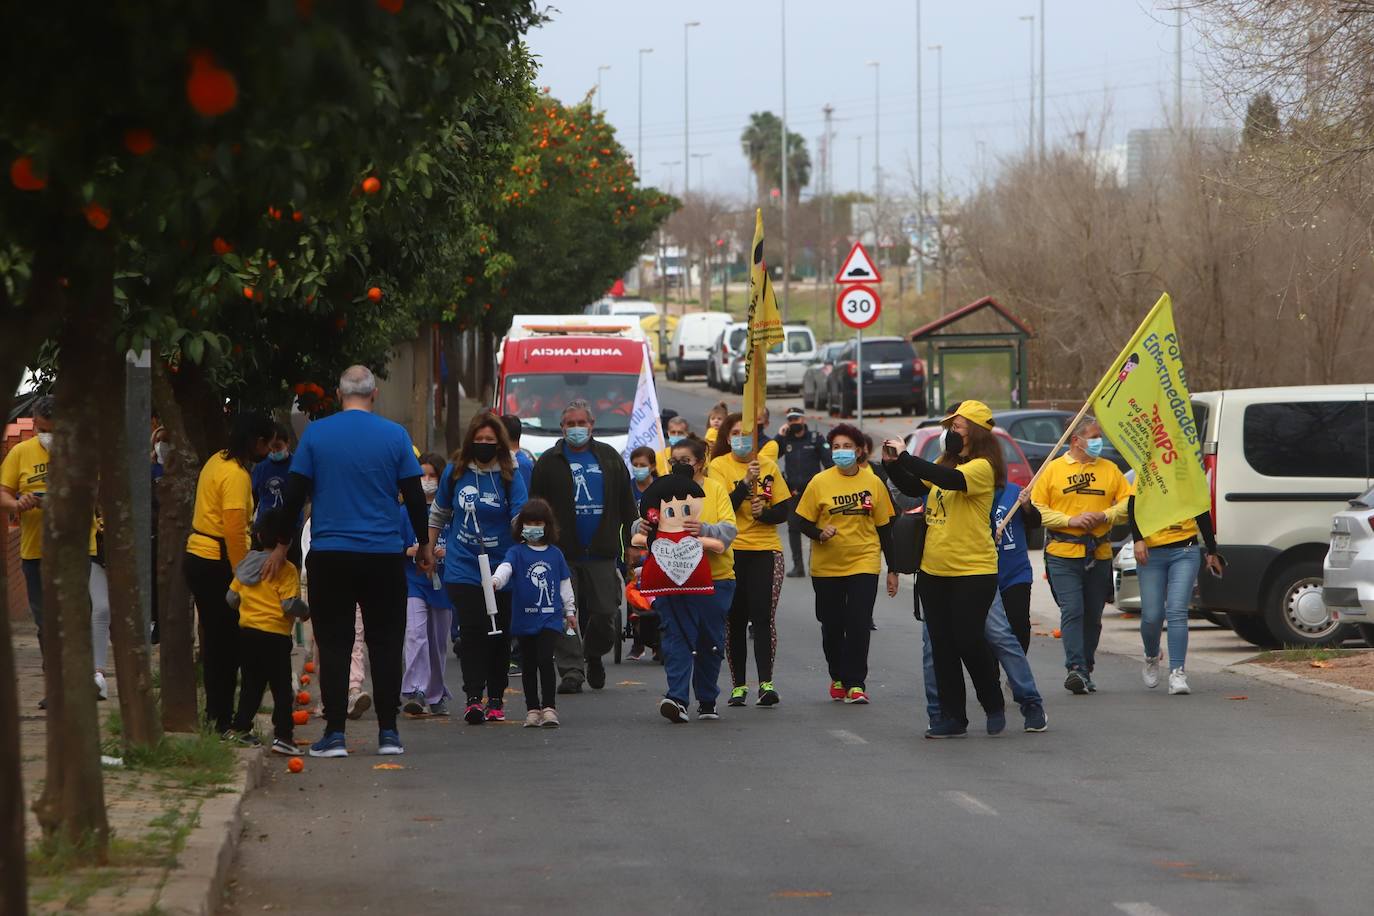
x=1133 y=802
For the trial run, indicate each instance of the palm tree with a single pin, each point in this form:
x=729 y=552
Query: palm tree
x=761 y=141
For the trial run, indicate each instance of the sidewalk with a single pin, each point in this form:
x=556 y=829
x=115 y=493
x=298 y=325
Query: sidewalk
x=173 y=830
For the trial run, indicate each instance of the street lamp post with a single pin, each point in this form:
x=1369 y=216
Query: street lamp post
x=786 y=237
x=639 y=126
x=877 y=123
x=600 y=70
x=1042 y=80
x=1030 y=137
x=686 y=122
x=701 y=167
x=940 y=168
x=920 y=176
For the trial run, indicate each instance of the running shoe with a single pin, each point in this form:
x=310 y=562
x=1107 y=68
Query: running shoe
x=1178 y=682
x=856 y=695
x=1036 y=720
x=439 y=709
x=836 y=690
x=947 y=729
x=285 y=748
x=738 y=696
x=359 y=702
x=672 y=710
x=414 y=704
x=102 y=690
x=1076 y=682
x=596 y=673
x=636 y=654
x=707 y=711
x=550 y=718
x=496 y=711
x=241 y=739
x=1088 y=682
x=513 y=668
x=534 y=718
x=389 y=742
x=1150 y=672
x=767 y=695
x=570 y=684
x=997 y=722
x=474 y=714
x=331 y=745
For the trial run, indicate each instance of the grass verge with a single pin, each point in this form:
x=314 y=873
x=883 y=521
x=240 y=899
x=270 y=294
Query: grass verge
x=1303 y=655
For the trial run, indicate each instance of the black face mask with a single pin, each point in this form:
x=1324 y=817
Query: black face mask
x=954 y=444
x=686 y=470
x=484 y=452
x=797 y=429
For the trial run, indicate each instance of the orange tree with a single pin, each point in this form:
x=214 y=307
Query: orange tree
x=154 y=144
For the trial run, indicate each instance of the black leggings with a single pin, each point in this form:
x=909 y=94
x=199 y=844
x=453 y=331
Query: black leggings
x=1016 y=602
x=209 y=581
x=485 y=659
x=759 y=575
x=266 y=663
x=844 y=606
x=956 y=612
x=342 y=582
x=536 y=654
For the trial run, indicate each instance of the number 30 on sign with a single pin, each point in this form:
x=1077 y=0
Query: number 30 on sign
x=858 y=306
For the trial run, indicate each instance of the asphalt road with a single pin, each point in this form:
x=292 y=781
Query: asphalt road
x=1133 y=802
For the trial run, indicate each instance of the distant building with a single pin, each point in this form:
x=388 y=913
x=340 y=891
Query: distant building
x=1148 y=150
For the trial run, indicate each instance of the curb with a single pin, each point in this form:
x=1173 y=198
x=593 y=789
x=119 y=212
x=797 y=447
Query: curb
x=1353 y=696
x=196 y=886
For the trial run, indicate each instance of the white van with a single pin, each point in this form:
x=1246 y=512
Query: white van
x=787 y=361
x=690 y=351
x=1282 y=462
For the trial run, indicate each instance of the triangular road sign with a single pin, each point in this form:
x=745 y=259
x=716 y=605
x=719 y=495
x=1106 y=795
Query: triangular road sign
x=858 y=267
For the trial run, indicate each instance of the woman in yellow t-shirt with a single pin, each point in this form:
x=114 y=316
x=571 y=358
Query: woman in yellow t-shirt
x=848 y=512
x=958 y=577
x=761 y=501
x=217 y=544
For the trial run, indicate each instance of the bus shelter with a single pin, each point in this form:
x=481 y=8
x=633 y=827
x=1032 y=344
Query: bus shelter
x=978 y=351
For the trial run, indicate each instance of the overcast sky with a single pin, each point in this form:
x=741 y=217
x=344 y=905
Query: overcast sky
x=1101 y=54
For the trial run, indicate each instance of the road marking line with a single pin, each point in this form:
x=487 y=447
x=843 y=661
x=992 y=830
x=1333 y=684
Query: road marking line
x=970 y=804
x=1140 y=909
x=847 y=736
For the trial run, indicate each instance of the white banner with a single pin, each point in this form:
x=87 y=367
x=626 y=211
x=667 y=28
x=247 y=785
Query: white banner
x=645 y=426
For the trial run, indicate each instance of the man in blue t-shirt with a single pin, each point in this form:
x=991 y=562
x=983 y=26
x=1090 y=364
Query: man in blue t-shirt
x=588 y=486
x=351 y=466
x=524 y=464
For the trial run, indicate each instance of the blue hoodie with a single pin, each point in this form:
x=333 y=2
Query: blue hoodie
x=1013 y=562
x=480 y=501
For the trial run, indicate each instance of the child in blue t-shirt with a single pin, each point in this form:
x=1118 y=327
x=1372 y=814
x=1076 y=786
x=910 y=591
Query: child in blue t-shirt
x=542 y=606
x=429 y=613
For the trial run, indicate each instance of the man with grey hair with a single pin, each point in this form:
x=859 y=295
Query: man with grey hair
x=1080 y=496
x=588 y=486
x=351 y=466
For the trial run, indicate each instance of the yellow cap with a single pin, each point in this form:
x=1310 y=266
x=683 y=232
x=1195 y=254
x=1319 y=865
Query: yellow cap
x=974 y=411
x=416 y=449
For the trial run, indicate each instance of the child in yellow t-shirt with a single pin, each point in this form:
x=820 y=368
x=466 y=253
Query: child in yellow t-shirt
x=267 y=609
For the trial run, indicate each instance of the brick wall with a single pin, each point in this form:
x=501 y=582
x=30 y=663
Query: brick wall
x=17 y=599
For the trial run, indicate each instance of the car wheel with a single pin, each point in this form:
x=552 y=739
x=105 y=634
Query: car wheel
x=908 y=410
x=846 y=407
x=1253 y=630
x=808 y=400
x=1366 y=633
x=1295 y=612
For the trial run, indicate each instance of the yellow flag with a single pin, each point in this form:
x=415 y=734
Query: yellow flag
x=765 y=330
x=1144 y=408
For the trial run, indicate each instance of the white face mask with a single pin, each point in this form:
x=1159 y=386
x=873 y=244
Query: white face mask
x=429 y=485
x=45 y=440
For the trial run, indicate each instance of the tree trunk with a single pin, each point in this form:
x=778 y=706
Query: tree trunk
x=453 y=398
x=132 y=653
x=176 y=503
x=72 y=806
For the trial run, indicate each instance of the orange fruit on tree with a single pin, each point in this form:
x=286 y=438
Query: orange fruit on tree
x=248 y=292
x=375 y=294
x=297 y=216
x=96 y=215
x=305 y=679
x=371 y=184
x=303 y=697
x=210 y=89
x=23 y=177
x=391 y=6
x=139 y=141
x=300 y=717
x=310 y=667
x=221 y=247
x=295 y=765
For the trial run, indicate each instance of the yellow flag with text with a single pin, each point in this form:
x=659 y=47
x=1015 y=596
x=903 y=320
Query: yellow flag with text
x=765 y=330
x=1145 y=410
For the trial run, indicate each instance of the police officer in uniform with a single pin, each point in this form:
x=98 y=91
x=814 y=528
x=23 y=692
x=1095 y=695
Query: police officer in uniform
x=802 y=454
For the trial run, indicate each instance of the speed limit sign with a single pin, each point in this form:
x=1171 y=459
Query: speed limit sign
x=858 y=306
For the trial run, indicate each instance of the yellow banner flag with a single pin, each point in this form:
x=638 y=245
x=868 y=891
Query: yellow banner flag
x=765 y=330
x=1145 y=410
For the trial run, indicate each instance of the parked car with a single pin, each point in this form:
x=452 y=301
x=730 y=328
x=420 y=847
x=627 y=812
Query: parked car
x=1348 y=572
x=813 y=389
x=787 y=361
x=1037 y=431
x=729 y=344
x=924 y=442
x=1282 y=462
x=893 y=376
x=1125 y=579
x=693 y=337
x=610 y=305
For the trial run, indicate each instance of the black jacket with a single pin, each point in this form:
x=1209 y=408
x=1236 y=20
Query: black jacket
x=552 y=481
x=802 y=457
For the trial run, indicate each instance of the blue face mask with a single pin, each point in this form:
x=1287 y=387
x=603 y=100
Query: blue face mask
x=844 y=457
x=532 y=533
x=674 y=440
x=281 y=455
x=1093 y=447
x=641 y=474
x=577 y=435
x=741 y=446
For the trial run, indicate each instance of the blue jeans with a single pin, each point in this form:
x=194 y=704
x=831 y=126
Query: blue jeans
x=1081 y=592
x=692 y=629
x=1166 y=590
x=1008 y=650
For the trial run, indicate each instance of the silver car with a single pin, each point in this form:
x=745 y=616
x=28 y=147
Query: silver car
x=1348 y=571
x=1126 y=579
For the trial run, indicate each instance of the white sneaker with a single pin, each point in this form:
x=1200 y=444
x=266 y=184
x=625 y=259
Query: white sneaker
x=358 y=703
x=1178 y=681
x=1150 y=673
x=102 y=690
